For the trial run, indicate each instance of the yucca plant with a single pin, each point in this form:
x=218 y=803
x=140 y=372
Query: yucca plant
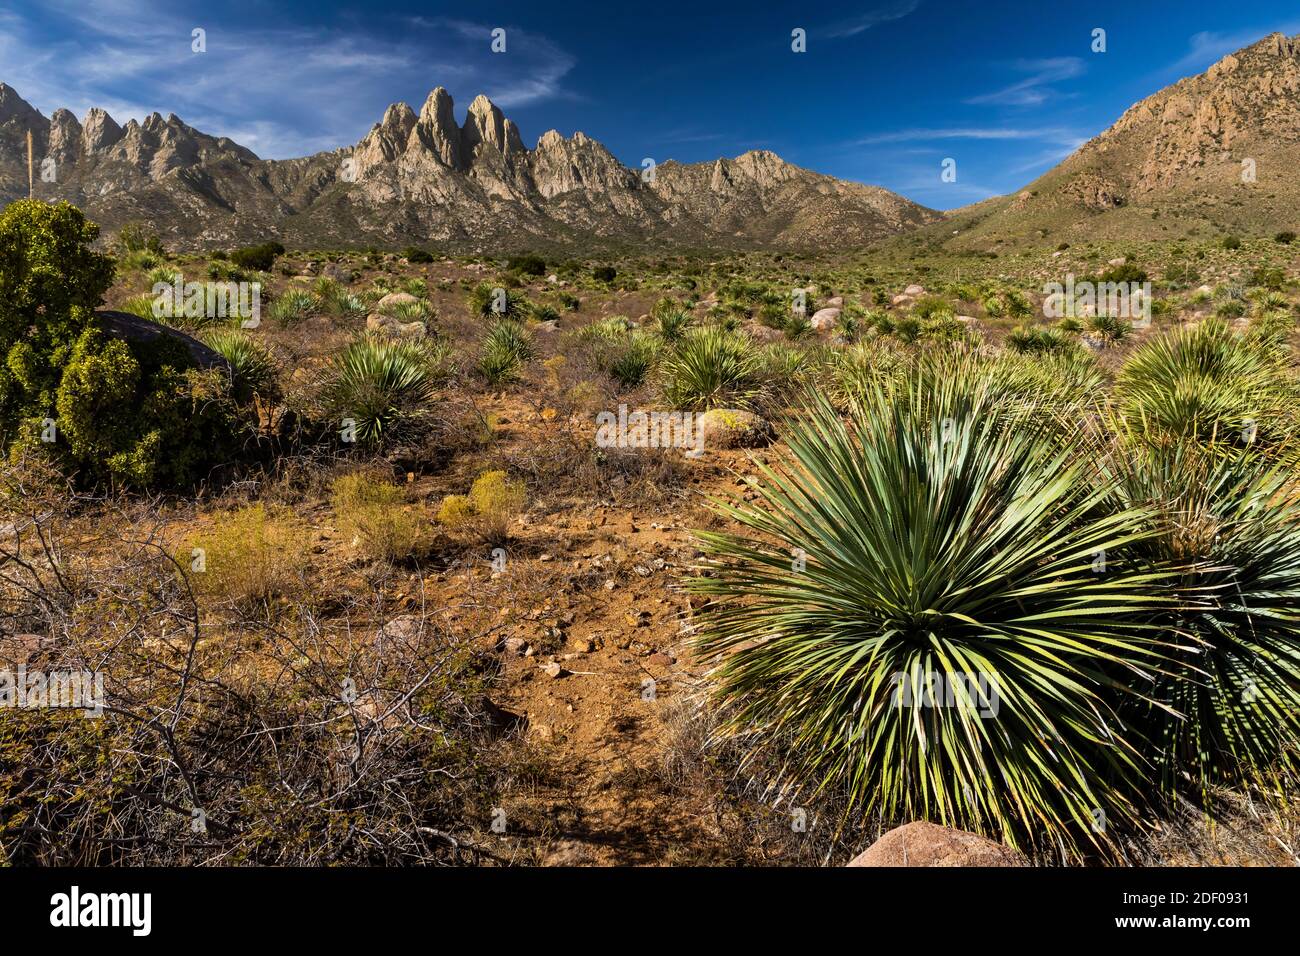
x=252 y=366
x=293 y=306
x=1227 y=706
x=1111 y=328
x=900 y=550
x=634 y=359
x=382 y=386
x=506 y=348
x=673 y=323
x=485 y=299
x=1210 y=383
x=711 y=368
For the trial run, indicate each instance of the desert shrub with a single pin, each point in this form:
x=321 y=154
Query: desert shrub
x=941 y=552
x=1230 y=243
x=506 y=348
x=260 y=258
x=1125 y=272
x=383 y=386
x=1285 y=237
x=252 y=366
x=248 y=556
x=493 y=503
x=293 y=306
x=107 y=411
x=417 y=256
x=1269 y=277
x=929 y=306
x=378 y=517
x=710 y=368
x=1038 y=339
x=134 y=237
x=529 y=265
x=604 y=273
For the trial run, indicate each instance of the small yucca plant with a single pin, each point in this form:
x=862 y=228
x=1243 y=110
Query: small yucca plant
x=711 y=368
x=925 y=540
x=507 y=347
x=293 y=306
x=485 y=299
x=382 y=386
x=252 y=366
x=1207 y=382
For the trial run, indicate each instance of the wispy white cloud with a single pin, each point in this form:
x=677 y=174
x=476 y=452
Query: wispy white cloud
x=1208 y=46
x=280 y=91
x=864 y=21
x=1036 y=88
x=963 y=132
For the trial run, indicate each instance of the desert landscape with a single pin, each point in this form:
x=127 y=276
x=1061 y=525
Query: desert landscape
x=441 y=500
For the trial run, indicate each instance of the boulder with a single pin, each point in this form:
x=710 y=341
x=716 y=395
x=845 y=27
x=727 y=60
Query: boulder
x=835 y=302
x=902 y=299
x=734 y=428
x=397 y=298
x=1117 y=262
x=824 y=320
x=765 y=333
x=133 y=328
x=914 y=290
x=377 y=322
x=925 y=844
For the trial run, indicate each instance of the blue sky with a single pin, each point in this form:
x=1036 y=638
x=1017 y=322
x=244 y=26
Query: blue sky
x=885 y=92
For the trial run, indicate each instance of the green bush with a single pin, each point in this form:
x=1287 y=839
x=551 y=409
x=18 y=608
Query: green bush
x=604 y=273
x=527 y=265
x=711 y=368
x=259 y=258
x=417 y=256
x=135 y=414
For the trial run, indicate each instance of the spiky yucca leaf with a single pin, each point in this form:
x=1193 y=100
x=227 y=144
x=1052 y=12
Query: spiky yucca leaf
x=1229 y=522
x=252 y=366
x=711 y=368
x=924 y=546
x=1209 y=383
x=382 y=385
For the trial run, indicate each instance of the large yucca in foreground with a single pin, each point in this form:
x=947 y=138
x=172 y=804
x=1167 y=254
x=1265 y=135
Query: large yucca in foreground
x=931 y=535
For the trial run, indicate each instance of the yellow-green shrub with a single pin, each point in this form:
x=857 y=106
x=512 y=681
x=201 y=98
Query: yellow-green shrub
x=377 y=517
x=493 y=502
x=249 y=555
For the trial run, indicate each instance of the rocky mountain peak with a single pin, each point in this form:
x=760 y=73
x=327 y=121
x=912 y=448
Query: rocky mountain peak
x=13 y=108
x=100 y=130
x=437 y=128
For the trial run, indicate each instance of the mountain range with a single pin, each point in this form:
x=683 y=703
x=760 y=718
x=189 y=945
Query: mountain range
x=424 y=178
x=1211 y=153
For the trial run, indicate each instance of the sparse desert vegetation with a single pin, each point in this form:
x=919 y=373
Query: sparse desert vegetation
x=396 y=537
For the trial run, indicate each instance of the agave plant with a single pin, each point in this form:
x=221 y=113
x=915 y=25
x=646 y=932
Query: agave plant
x=382 y=386
x=1228 y=522
x=711 y=368
x=252 y=366
x=903 y=552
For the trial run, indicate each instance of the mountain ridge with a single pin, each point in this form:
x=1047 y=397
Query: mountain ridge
x=422 y=177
